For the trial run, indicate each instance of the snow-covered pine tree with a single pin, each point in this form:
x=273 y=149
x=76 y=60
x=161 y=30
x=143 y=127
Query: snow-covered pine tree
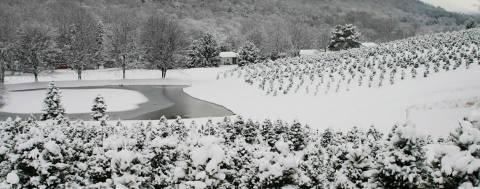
x=204 y=52
x=326 y=137
x=355 y=136
x=352 y=174
x=374 y=140
x=248 y=53
x=249 y=131
x=52 y=106
x=99 y=109
x=401 y=164
x=459 y=166
x=297 y=136
x=344 y=37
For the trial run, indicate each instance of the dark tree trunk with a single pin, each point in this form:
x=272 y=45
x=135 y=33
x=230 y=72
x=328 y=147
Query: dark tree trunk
x=123 y=69
x=79 y=72
x=35 y=72
x=2 y=72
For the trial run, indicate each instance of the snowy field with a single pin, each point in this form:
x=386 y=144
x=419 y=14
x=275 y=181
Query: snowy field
x=435 y=104
x=73 y=100
x=422 y=101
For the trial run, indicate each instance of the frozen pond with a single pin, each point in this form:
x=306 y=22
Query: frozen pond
x=124 y=102
x=73 y=100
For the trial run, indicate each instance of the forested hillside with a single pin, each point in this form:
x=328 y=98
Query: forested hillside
x=273 y=25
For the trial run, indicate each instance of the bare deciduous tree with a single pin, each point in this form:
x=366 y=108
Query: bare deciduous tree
x=35 y=43
x=83 y=40
x=123 y=39
x=8 y=22
x=162 y=37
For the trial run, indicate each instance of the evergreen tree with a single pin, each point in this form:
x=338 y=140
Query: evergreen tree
x=204 y=52
x=460 y=166
x=470 y=24
x=297 y=136
x=355 y=136
x=99 y=109
x=401 y=164
x=354 y=169
x=248 y=53
x=327 y=137
x=52 y=103
x=249 y=131
x=344 y=37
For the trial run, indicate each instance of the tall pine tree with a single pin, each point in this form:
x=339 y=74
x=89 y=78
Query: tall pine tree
x=344 y=37
x=204 y=52
x=248 y=53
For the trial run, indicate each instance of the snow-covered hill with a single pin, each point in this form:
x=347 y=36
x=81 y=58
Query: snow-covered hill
x=430 y=80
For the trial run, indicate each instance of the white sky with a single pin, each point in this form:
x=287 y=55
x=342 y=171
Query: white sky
x=465 y=6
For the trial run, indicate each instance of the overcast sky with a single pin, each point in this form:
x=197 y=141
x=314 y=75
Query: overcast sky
x=465 y=6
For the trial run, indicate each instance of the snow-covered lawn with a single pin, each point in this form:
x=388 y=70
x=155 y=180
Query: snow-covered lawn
x=435 y=104
x=177 y=76
x=73 y=100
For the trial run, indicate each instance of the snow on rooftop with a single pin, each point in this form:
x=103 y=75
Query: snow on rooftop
x=228 y=54
x=369 y=44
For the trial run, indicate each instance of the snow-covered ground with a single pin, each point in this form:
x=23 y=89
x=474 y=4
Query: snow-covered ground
x=435 y=104
x=73 y=100
x=103 y=74
x=421 y=101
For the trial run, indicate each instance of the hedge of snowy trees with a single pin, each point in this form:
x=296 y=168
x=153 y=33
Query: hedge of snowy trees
x=385 y=64
x=234 y=153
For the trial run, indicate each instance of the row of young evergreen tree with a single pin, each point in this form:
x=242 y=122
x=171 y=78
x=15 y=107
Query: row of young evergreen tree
x=59 y=153
x=385 y=64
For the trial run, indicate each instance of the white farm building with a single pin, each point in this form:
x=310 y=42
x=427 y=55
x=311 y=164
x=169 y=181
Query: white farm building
x=227 y=58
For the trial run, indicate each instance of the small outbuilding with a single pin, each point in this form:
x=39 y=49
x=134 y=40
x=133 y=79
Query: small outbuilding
x=368 y=44
x=227 y=58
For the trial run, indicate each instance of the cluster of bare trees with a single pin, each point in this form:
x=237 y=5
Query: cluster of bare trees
x=74 y=35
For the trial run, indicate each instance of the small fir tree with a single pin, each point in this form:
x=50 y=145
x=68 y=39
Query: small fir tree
x=99 y=109
x=401 y=164
x=52 y=104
